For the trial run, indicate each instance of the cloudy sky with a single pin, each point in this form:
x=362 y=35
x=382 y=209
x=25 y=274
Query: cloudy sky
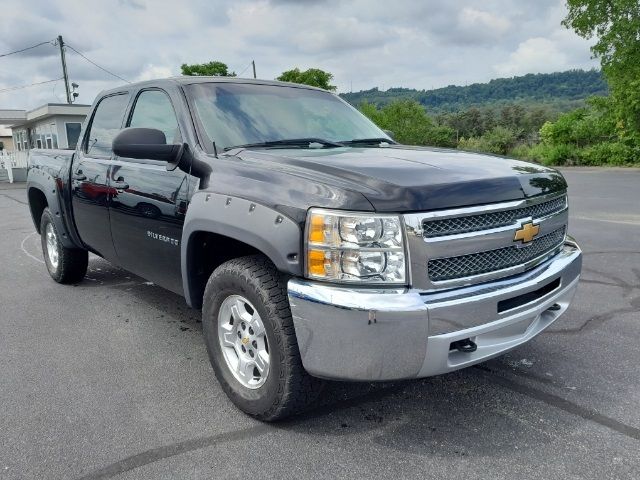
x=364 y=43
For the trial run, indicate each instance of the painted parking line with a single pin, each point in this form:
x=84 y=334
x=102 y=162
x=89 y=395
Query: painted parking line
x=24 y=249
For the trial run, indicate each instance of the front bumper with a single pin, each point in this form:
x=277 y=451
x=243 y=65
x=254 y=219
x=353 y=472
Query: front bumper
x=388 y=334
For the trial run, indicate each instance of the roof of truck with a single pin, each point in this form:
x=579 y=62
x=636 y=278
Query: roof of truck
x=189 y=80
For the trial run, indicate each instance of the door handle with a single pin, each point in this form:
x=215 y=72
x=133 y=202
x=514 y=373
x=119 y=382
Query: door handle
x=120 y=184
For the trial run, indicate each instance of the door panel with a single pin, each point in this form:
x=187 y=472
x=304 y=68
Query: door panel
x=90 y=176
x=148 y=206
x=147 y=215
x=90 y=199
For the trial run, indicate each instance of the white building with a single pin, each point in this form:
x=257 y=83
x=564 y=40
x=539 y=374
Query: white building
x=51 y=126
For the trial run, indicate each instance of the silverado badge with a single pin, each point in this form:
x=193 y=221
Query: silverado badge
x=526 y=232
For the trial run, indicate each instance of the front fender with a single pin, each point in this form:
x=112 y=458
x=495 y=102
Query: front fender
x=263 y=228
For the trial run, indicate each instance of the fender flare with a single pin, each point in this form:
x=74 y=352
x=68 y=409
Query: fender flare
x=263 y=228
x=45 y=183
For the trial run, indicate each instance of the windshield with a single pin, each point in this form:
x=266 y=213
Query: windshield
x=235 y=114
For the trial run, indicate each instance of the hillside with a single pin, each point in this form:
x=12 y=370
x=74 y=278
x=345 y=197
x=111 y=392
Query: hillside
x=563 y=90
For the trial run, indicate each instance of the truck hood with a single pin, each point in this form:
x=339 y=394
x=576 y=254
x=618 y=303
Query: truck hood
x=403 y=179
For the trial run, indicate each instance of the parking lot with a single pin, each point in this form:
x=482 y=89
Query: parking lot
x=110 y=379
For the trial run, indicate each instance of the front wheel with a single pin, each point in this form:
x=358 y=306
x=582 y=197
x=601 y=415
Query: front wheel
x=251 y=340
x=65 y=265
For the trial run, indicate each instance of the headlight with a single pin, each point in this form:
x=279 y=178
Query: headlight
x=355 y=247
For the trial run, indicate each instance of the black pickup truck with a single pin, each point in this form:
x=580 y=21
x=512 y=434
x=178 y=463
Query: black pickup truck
x=315 y=245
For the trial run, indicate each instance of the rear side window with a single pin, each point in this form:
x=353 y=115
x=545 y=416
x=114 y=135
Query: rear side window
x=153 y=109
x=107 y=122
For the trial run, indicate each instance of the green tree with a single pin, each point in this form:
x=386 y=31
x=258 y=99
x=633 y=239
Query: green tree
x=313 y=76
x=214 y=69
x=410 y=124
x=616 y=25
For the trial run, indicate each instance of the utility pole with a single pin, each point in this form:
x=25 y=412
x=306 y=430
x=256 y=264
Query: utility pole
x=253 y=64
x=64 y=69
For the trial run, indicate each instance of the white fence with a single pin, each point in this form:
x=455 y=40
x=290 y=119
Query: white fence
x=11 y=160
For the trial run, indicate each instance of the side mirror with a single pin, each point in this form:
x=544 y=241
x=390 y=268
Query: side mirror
x=389 y=133
x=147 y=143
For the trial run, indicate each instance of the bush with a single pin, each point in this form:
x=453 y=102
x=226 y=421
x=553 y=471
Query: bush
x=610 y=153
x=498 y=140
x=561 y=154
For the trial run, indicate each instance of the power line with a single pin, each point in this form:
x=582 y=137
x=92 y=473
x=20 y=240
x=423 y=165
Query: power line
x=18 y=87
x=50 y=42
x=245 y=69
x=95 y=64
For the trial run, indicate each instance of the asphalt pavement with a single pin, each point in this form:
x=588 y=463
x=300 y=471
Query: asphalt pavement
x=110 y=379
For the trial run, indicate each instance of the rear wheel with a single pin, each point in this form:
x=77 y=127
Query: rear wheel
x=251 y=340
x=65 y=265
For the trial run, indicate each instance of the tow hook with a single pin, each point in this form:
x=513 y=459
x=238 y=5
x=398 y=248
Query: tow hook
x=465 y=346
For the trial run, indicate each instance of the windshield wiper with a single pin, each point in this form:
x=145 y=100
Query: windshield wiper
x=292 y=142
x=367 y=141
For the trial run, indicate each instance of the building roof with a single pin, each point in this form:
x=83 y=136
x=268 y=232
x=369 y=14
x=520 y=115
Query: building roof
x=8 y=117
x=16 y=118
x=51 y=109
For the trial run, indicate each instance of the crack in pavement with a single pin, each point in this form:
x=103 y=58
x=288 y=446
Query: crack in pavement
x=596 y=321
x=161 y=453
x=14 y=199
x=562 y=404
x=593 y=322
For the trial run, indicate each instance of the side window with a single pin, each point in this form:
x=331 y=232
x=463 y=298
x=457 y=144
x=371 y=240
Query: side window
x=153 y=109
x=107 y=122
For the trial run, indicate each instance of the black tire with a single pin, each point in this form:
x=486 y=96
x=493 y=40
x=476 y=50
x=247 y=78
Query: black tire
x=288 y=388
x=71 y=264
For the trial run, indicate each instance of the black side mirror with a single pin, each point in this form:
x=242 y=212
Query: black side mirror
x=390 y=134
x=147 y=143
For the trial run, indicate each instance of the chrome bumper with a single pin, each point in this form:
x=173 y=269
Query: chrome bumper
x=388 y=334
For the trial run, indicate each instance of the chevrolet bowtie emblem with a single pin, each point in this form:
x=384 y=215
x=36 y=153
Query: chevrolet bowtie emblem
x=526 y=232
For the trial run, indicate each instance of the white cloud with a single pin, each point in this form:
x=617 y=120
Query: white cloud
x=534 y=55
x=471 y=18
x=155 y=71
x=364 y=43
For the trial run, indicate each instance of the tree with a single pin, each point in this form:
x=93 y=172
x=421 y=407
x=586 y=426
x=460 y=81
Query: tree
x=313 y=76
x=616 y=24
x=410 y=124
x=214 y=68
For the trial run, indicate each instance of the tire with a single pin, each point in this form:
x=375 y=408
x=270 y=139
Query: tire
x=65 y=265
x=286 y=388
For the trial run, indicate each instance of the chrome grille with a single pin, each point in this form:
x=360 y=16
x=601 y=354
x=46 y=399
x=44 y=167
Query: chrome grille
x=449 y=268
x=485 y=221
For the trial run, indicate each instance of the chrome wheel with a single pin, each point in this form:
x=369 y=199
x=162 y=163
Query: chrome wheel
x=243 y=341
x=52 y=245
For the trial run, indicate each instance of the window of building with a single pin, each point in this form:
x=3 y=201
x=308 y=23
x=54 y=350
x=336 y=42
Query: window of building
x=54 y=135
x=73 y=133
x=106 y=123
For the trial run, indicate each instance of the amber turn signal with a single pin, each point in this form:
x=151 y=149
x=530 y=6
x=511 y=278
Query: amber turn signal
x=315 y=263
x=316 y=229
